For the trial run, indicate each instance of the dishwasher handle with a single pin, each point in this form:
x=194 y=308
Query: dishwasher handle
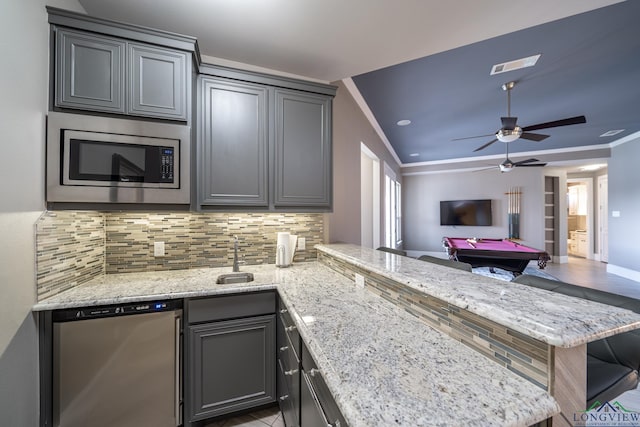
x=316 y=401
x=178 y=376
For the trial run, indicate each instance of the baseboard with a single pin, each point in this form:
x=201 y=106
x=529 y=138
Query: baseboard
x=627 y=273
x=560 y=259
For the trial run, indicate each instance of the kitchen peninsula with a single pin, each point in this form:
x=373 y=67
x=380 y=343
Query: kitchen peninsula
x=380 y=360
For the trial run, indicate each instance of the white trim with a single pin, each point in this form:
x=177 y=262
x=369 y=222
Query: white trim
x=513 y=155
x=562 y=259
x=389 y=172
x=624 y=272
x=357 y=96
x=375 y=196
x=624 y=140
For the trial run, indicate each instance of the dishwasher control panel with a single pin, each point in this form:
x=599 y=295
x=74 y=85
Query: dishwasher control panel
x=97 y=312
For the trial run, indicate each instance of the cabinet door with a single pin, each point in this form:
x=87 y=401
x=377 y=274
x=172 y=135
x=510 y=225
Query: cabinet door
x=231 y=366
x=90 y=72
x=302 y=150
x=233 y=144
x=157 y=82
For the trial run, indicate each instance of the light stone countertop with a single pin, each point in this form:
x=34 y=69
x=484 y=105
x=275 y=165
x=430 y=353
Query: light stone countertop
x=382 y=365
x=156 y=285
x=550 y=317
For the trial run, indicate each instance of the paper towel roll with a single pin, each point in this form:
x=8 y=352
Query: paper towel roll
x=293 y=241
x=283 y=249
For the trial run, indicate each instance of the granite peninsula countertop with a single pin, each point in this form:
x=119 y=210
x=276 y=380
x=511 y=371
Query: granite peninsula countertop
x=550 y=317
x=382 y=365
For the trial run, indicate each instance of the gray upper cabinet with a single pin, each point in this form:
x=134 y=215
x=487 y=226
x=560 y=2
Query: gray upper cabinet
x=302 y=149
x=110 y=67
x=90 y=72
x=264 y=142
x=157 y=82
x=233 y=143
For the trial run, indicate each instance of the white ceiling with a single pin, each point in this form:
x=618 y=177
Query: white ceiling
x=329 y=40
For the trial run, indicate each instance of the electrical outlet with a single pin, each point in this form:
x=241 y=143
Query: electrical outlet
x=158 y=249
x=359 y=280
x=302 y=243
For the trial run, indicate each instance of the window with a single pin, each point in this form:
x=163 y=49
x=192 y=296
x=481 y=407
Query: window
x=393 y=209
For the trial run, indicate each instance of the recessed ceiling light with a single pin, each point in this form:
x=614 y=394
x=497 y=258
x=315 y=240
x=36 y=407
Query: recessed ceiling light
x=591 y=167
x=414 y=154
x=403 y=122
x=612 y=132
x=516 y=64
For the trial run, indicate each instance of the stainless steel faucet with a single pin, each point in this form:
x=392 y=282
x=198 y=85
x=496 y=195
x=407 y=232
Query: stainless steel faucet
x=236 y=267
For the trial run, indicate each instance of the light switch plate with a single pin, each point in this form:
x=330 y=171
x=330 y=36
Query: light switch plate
x=158 y=249
x=302 y=243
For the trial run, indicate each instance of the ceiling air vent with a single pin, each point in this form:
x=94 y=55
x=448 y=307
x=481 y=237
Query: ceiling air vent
x=514 y=65
x=611 y=132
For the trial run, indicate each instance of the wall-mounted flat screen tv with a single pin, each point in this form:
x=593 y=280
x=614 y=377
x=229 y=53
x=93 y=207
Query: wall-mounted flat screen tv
x=465 y=212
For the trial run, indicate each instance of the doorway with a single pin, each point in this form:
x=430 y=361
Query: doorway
x=369 y=198
x=580 y=217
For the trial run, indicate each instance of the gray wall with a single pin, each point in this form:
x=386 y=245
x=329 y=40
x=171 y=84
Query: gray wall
x=24 y=36
x=423 y=193
x=350 y=128
x=624 y=196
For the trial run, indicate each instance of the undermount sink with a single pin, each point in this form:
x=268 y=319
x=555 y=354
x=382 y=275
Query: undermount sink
x=242 y=277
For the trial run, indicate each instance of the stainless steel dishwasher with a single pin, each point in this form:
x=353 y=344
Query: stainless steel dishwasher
x=118 y=365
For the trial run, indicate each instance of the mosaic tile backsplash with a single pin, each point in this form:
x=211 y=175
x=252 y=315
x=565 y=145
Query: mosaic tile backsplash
x=69 y=250
x=525 y=356
x=73 y=247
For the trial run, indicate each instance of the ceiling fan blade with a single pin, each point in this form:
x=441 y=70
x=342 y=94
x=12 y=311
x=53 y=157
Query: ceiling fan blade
x=564 y=122
x=484 y=169
x=531 y=165
x=533 y=136
x=485 y=145
x=509 y=123
x=522 y=162
x=472 y=137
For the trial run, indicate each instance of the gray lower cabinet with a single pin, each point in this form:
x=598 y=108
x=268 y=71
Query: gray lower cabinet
x=108 y=74
x=302 y=149
x=233 y=143
x=230 y=363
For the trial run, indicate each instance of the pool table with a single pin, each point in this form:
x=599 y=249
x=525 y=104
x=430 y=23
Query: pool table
x=494 y=253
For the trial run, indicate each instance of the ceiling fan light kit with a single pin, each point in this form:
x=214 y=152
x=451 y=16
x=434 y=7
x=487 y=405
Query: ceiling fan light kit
x=507 y=135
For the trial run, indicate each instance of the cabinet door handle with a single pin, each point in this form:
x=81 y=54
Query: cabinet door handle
x=291 y=372
x=290 y=328
x=313 y=372
x=284 y=310
x=285 y=397
x=285 y=348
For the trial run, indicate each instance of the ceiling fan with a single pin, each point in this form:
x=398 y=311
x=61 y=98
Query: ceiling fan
x=507 y=165
x=510 y=131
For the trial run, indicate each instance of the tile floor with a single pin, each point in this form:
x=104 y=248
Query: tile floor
x=265 y=417
x=593 y=274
